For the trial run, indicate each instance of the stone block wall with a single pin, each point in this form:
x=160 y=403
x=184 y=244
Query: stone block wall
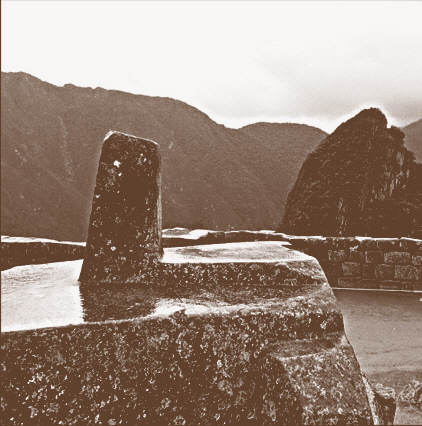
x=361 y=262
x=25 y=251
x=370 y=263
x=225 y=340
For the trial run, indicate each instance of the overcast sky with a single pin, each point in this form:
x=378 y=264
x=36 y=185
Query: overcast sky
x=240 y=62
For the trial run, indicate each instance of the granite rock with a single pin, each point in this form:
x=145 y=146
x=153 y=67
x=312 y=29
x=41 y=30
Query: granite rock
x=382 y=401
x=17 y=251
x=235 y=334
x=412 y=394
x=357 y=182
x=125 y=225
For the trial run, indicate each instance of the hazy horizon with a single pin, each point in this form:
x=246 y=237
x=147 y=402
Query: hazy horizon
x=240 y=62
x=340 y=120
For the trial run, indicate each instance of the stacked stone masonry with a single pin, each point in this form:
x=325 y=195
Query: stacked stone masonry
x=26 y=251
x=374 y=263
x=371 y=263
x=349 y=262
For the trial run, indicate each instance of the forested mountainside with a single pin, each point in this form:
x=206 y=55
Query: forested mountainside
x=360 y=181
x=213 y=177
x=413 y=138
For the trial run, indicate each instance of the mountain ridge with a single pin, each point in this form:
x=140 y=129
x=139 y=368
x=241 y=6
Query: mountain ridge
x=413 y=138
x=359 y=181
x=213 y=176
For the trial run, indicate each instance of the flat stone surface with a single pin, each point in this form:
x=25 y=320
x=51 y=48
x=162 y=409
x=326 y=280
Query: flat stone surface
x=16 y=251
x=188 y=278
x=257 y=252
x=38 y=296
x=6 y=239
x=180 y=237
x=189 y=234
x=252 y=335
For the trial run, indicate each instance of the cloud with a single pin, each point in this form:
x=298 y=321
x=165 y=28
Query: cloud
x=240 y=62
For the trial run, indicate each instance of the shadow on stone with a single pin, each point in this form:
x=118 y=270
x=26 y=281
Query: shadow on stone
x=125 y=224
x=238 y=333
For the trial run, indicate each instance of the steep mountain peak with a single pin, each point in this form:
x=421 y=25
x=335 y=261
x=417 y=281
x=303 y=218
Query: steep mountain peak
x=359 y=133
x=213 y=177
x=343 y=180
x=370 y=118
x=374 y=115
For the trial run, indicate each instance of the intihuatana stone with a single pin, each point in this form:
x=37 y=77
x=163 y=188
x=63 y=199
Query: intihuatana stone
x=236 y=333
x=240 y=333
x=125 y=225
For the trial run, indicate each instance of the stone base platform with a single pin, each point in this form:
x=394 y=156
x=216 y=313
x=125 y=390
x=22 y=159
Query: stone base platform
x=245 y=333
x=17 y=251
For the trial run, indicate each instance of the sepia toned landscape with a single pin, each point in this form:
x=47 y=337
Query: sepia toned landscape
x=160 y=267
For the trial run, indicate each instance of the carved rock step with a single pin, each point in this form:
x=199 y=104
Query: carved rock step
x=201 y=348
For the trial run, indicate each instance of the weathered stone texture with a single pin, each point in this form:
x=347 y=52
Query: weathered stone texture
x=410 y=244
x=287 y=372
x=368 y=283
x=125 y=224
x=357 y=255
x=347 y=282
x=412 y=394
x=382 y=401
x=369 y=244
x=374 y=257
x=417 y=259
x=384 y=272
x=338 y=255
x=227 y=334
x=335 y=255
x=387 y=260
x=352 y=268
x=331 y=252
x=406 y=273
x=397 y=257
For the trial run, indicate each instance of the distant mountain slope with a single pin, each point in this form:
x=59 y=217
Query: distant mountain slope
x=413 y=139
x=360 y=180
x=213 y=177
x=277 y=154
